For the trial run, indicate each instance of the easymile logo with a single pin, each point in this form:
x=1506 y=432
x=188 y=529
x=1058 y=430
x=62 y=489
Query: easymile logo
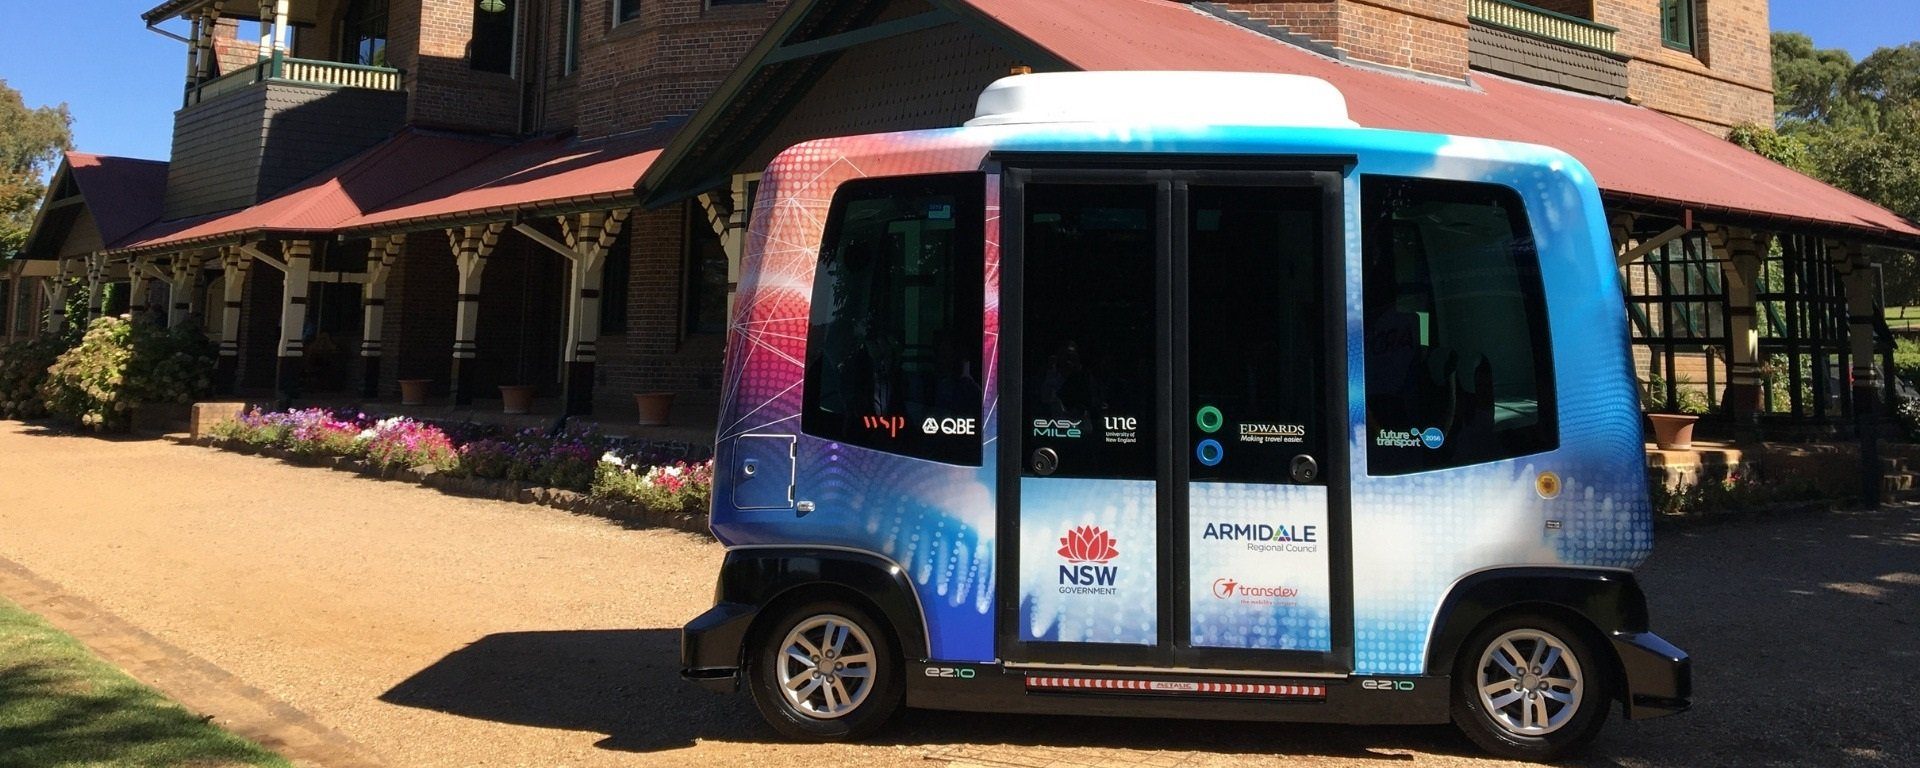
x=1056 y=428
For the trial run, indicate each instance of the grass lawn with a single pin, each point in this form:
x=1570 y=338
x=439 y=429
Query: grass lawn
x=60 y=706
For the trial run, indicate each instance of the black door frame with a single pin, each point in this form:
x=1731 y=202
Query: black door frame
x=1173 y=651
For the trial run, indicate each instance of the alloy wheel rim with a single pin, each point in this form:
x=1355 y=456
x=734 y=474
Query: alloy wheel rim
x=1530 y=684
x=826 y=667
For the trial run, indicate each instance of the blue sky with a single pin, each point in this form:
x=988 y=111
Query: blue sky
x=123 y=82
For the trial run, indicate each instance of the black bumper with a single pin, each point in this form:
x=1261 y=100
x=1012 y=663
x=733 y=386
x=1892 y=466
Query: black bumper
x=710 y=646
x=1659 y=677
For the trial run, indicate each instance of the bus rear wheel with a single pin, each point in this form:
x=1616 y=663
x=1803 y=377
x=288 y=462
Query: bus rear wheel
x=825 y=671
x=1529 y=687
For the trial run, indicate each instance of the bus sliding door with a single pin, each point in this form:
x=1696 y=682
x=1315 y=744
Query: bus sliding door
x=1173 y=425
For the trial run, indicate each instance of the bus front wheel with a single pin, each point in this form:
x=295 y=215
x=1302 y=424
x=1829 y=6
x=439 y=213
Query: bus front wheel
x=825 y=671
x=1530 y=687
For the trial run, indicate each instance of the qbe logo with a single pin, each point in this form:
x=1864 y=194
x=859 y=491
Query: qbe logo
x=933 y=426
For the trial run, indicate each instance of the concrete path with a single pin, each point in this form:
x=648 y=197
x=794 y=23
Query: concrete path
x=354 y=622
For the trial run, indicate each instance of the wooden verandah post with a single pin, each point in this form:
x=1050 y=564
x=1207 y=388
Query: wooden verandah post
x=471 y=245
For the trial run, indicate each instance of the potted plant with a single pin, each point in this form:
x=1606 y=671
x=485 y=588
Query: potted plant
x=1673 y=422
x=516 y=399
x=656 y=408
x=414 y=391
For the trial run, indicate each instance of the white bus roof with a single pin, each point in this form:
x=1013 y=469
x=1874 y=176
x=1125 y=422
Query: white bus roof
x=1136 y=98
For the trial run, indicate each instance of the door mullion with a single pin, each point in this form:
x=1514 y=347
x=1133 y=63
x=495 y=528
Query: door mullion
x=1167 y=352
x=1175 y=467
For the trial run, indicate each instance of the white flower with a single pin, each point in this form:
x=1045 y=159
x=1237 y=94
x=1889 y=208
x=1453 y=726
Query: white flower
x=366 y=435
x=674 y=471
x=612 y=458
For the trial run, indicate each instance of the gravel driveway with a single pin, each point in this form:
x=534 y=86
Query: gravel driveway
x=418 y=629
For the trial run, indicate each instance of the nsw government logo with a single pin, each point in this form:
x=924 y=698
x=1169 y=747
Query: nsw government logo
x=1088 y=550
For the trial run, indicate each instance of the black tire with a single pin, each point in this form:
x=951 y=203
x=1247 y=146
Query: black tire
x=765 y=672
x=1505 y=731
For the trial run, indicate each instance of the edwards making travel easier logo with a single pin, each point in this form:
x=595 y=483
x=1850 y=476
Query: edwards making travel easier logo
x=1088 y=550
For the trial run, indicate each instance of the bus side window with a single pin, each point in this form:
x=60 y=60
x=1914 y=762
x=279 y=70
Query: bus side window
x=893 y=343
x=1459 y=366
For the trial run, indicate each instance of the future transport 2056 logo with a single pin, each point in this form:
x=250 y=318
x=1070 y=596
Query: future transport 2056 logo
x=1088 y=550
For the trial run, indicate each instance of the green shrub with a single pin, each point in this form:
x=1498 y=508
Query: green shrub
x=119 y=365
x=23 y=369
x=674 y=488
x=1906 y=358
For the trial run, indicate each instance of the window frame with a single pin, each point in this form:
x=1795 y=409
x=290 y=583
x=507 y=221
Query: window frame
x=514 y=31
x=1689 y=23
x=618 y=10
x=570 y=39
x=1531 y=273
x=970 y=254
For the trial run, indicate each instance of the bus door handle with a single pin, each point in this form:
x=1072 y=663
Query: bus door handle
x=1045 y=462
x=1305 y=469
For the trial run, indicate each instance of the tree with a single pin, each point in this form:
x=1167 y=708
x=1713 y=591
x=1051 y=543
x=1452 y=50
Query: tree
x=31 y=141
x=1853 y=125
x=1810 y=84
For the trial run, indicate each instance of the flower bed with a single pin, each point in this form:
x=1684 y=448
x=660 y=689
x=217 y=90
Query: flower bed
x=576 y=470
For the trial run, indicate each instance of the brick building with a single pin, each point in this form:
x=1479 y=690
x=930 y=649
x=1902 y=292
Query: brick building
x=554 y=193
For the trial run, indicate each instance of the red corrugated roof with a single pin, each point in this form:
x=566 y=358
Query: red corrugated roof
x=1633 y=151
x=423 y=176
x=400 y=165
x=124 y=194
x=534 y=175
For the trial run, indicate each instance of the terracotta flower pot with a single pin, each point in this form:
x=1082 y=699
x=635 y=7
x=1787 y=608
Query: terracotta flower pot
x=414 y=391
x=656 y=408
x=516 y=398
x=1673 y=431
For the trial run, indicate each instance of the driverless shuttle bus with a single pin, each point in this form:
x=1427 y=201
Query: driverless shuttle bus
x=1217 y=408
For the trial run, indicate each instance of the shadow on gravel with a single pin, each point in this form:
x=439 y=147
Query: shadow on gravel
x=1802 y=630
x=626 y=684
x=49 y=428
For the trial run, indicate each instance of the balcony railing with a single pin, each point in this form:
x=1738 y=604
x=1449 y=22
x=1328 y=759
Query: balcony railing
x=284 y=69
x=1541 y=22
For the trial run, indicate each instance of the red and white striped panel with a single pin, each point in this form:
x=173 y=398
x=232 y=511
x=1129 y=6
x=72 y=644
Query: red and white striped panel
x=1169 y=686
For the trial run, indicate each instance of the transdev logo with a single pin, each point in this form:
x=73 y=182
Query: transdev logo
x=1088 y=549
x=1229 y=589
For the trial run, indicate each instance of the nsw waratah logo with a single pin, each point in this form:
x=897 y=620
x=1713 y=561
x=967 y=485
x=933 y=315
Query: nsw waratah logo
x=1088 y=544
x=1088 y=548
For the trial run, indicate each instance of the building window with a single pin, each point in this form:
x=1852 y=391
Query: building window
x=1676 y=24
x=570 y=61
x=895 y=334
x=706 y=275
x=625 y=11
x=614 y=280
x=363 y=33
x=494 y=38
x=1459 y=368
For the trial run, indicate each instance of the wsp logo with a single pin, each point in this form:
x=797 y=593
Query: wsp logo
x=892 y=424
